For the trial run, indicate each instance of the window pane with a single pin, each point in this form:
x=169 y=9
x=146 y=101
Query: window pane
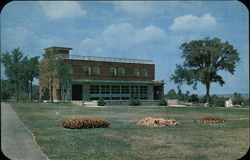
x=96 y=70
x=86 y=70
x=134 y=91
x=105 y=89
x=143 y=92
x=144 y=73
x=94 y=89
x=113 y=71
x=121 y=71
x=136 y=72
x=69 y=69
x=115 y=89
x=125 y=89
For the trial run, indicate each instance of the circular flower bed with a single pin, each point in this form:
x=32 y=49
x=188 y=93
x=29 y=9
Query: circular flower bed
x=210 y=120
x=84 y=122
x=157 y=122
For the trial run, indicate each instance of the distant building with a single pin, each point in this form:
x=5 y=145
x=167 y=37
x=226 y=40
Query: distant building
x=229 y=103
x=103 y=77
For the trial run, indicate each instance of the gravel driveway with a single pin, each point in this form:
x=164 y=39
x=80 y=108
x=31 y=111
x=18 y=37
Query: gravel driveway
x=17 y=142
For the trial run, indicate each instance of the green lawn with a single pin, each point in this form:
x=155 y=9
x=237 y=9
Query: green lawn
x=125 y=140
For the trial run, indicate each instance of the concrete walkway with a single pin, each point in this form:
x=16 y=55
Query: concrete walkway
x=17 y=142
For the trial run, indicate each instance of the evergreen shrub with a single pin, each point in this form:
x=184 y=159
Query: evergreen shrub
x=162 y=102
x=101 y=102
x=135 y=102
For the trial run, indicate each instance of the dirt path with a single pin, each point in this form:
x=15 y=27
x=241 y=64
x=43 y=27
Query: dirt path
x=17 y=142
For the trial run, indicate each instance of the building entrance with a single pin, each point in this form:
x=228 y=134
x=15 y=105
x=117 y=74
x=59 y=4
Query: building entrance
x=157 y=92
x=76 y=92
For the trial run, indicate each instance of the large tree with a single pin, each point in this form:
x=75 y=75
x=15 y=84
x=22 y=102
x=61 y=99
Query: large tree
x=30 y=72
x=53 y=71
x=20 y=70
x=13 y=67
x=203 y=59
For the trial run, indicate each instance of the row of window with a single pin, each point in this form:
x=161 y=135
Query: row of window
x=113 y=71
x=129 y=91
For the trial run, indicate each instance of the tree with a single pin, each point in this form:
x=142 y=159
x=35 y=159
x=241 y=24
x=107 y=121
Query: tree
x=194 y=98
x=30 y=71
x=53 y=71
x=171 y=94
x=203 y=59
x=7 y=90
x=13 y=67
x=237 y=99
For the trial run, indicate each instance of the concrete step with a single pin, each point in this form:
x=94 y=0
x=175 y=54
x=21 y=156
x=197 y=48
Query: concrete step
x=90 y=103
x=80 y=103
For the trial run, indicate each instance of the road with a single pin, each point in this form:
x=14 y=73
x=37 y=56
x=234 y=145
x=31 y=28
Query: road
x=17 y=142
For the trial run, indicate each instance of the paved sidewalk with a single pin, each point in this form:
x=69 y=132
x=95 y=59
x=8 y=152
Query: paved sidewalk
x=17 y=142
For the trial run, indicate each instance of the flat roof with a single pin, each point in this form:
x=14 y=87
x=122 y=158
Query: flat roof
x=58 y=48
x=109 y=59
x=118 y=81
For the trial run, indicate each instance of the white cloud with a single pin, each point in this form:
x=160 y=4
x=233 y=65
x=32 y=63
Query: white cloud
x=13 y=37
x=62 y=9
x=51 y=41
x=149 y=33
x=193 y=23
x=154 y=8
x=122 y=38
x=22 y=37
x=134 y=6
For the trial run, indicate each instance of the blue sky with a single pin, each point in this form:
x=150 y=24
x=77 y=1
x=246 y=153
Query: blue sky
x=146 y=30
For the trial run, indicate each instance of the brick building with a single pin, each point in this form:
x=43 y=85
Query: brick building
x=110 y=78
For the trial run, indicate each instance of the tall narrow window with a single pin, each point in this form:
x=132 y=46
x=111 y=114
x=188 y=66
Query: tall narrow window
x=136 y=72
x=121 y=71
x=144 y=72
x=96 y=70
x=69 y=69
x=134 y=91
x=94 y=89
x=125 y=89
x=86 y=70
x=115 y=89
x=143 y=92
x=105 y=89
x=113 y=71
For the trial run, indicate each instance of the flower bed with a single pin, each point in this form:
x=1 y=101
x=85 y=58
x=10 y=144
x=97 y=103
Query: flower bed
x=157 y=122
x=210 y=120
x=84 y=122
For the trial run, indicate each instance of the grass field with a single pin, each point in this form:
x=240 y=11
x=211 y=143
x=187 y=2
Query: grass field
x=125 y=140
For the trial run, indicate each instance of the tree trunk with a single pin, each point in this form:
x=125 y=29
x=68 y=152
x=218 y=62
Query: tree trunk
x=27 y=90
x=60 y=89
x=51 y=90
x=31 y=91
x=17 y=91
x=207 y=92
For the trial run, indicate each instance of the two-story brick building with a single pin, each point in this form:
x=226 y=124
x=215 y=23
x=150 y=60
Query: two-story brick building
x=110 y=78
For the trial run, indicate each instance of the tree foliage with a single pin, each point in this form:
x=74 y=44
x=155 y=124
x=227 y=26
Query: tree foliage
x=193 y=98
x=237 y=99
x=7 y=90
x=52 y=71
x=202 y=61
x=20 y=70
x=30 y=72
x=172 y=94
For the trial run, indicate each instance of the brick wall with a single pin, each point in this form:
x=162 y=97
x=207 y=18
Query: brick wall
x=77 y=66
